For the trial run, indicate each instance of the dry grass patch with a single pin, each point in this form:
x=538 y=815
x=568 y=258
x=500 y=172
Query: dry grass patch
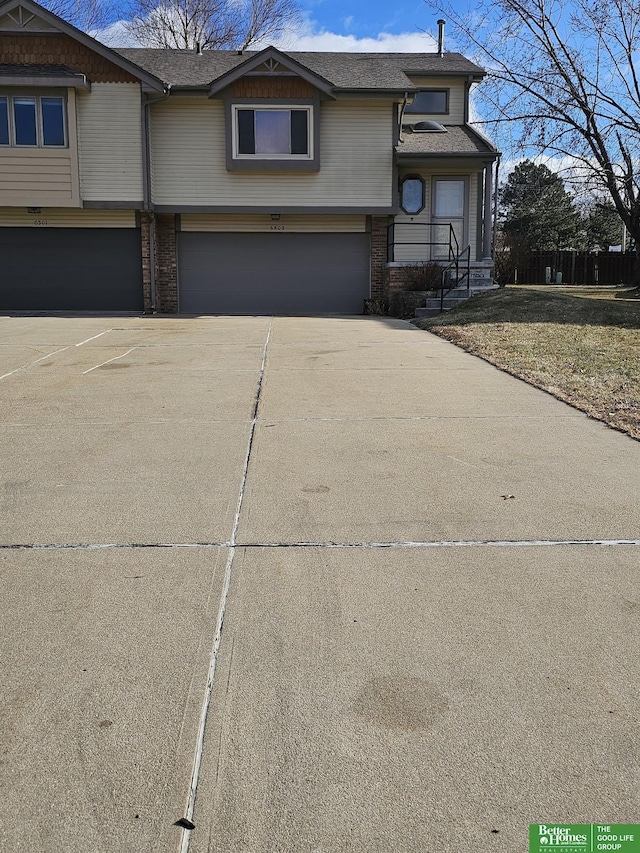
x=583 y=346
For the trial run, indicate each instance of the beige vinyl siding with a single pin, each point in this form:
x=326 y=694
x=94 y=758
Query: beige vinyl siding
x=456 y=88
x=263 y=222
x=49 y=217
x=189 y=159
x=110 y=142
x=37 y=176
x=407 y=227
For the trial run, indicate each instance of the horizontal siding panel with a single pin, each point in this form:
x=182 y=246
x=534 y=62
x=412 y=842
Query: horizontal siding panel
x=50 y=185
x=189 y=161
x=287 y=222
x=7 y=162
x=55 y=218
x=31 y=175
x=110 y=142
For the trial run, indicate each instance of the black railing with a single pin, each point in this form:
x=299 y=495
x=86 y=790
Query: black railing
x=450 y=242
x=456 y=263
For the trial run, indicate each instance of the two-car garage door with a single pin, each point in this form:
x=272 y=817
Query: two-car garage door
x=273 y=273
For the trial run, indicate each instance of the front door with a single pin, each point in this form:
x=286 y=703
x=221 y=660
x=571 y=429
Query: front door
x=449 y=210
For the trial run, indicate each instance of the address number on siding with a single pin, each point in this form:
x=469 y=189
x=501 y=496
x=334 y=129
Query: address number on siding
x=40 y=222
x=276 y=228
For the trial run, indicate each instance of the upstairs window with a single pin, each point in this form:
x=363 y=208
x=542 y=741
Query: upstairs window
x=32 y=121
x=273 y=133
x=430 y=102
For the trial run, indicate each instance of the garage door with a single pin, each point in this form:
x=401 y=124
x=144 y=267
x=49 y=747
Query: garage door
x=70 y=269
x=273 y=273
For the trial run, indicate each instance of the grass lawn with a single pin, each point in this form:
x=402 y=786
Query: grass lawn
x=582 y=344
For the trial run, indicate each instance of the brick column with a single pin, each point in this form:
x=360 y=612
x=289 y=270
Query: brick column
x=145 y=239
x=378 y=256
x=166 y=264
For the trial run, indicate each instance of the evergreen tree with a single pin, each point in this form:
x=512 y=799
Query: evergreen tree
x=603 y=227
x=537 y=211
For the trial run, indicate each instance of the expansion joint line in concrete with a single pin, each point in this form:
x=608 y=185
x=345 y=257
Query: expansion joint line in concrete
x=197 y=760
x=442 y=543
x=51 y=354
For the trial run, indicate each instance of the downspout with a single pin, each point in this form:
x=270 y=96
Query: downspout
x=401 y=117
x=147 y=203
x=467 y=86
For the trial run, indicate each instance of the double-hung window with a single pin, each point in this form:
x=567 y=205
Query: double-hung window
x=274 y=133
x=33 y=121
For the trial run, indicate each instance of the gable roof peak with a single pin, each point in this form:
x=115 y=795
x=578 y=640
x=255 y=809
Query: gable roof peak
x=256 y=60
x=54 y=23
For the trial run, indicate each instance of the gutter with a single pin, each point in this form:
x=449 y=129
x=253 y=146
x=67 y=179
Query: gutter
x=147 y=204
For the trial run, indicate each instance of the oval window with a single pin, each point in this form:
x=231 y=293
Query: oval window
x=412 y=194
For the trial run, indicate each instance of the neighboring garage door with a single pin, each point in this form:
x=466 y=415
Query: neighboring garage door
x=70 y=269
x=273 y=273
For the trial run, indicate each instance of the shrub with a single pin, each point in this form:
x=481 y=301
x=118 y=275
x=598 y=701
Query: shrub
x=423 y=276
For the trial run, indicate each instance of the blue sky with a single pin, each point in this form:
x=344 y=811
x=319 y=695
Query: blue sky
x=355 y=25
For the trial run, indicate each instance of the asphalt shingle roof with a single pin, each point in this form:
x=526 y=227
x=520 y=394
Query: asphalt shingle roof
x=35 y=70
x=456 y=141
x=350 y=71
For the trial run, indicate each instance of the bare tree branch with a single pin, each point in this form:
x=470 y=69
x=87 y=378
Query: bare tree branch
x=86 y=15
x=563 y=78
x=221 y=24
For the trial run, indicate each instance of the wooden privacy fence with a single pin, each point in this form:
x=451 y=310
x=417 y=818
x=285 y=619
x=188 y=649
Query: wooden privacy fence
x=575 y=268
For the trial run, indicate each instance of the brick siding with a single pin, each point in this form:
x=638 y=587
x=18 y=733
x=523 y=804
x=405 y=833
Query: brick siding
x=378 y=256
x=145 y=242
x=166 y=264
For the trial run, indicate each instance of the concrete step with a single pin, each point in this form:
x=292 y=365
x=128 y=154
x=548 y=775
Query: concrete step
x=433 y=305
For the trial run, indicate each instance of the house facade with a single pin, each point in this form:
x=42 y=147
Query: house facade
x=226 y=182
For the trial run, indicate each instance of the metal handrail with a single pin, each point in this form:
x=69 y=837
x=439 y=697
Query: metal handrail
x=456 y=257
x=392 y=243
x=456 y=263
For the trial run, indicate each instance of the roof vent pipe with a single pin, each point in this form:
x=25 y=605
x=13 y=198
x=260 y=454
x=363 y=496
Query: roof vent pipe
x=441 y=24
x=198 y=48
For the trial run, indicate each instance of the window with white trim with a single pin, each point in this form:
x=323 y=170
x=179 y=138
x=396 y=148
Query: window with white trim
x=33 y=121
x=272 y=133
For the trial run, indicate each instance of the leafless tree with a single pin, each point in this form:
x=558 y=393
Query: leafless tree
x=231 y=24
x=564 y=80
x=86 y=15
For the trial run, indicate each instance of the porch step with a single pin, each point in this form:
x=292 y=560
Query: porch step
x=454 y=297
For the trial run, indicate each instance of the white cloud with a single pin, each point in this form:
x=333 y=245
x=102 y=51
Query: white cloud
x=311 y=36
x=308 y=35
x=117 y=35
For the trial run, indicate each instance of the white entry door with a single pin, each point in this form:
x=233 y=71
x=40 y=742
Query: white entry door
x=449 y=209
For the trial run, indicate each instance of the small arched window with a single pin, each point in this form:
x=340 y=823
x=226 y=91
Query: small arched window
x=412 y=194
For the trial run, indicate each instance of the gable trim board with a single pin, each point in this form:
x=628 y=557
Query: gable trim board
x=81 y=43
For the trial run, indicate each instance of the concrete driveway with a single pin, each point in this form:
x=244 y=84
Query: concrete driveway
x=426 y=644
